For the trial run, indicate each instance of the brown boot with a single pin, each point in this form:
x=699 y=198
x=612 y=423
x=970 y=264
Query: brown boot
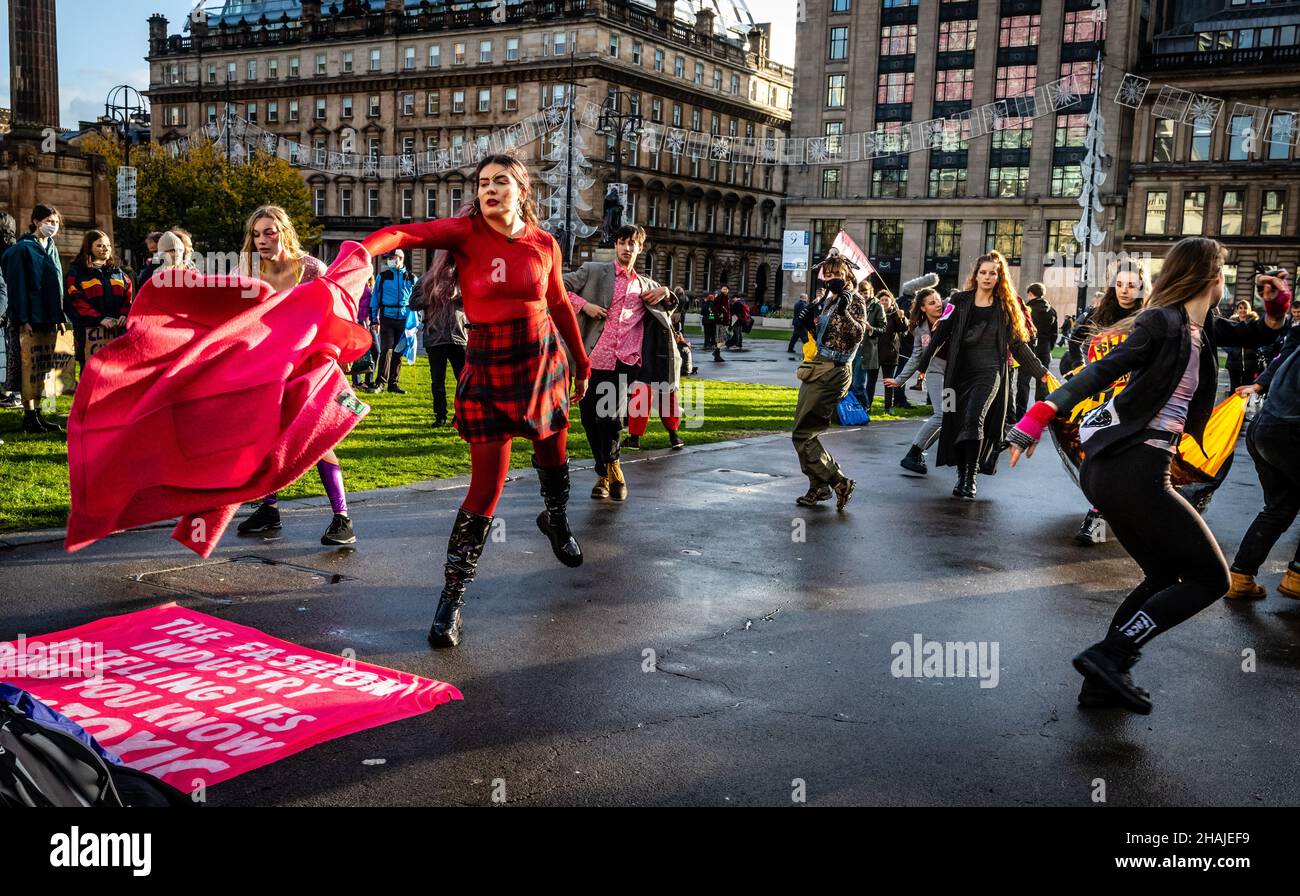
x=600 y=490
x=617 y=484
x=1244 y=586
x=1290 y=584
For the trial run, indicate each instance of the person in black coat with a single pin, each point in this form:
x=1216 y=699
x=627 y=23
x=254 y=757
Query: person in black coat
x=1129 y=444
x=987 y=321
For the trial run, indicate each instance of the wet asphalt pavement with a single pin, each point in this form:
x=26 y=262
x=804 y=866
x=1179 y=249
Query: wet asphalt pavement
x=772 y=657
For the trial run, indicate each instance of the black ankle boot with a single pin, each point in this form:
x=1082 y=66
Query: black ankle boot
x=554 y=521
x=1108 y=663
x=965 y=488
x=915 y=461
x=32 y=423
x=468 y=537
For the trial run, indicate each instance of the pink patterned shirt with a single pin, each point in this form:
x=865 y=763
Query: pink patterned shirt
x=621 y=338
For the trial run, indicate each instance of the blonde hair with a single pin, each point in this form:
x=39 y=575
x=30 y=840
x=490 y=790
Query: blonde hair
x=290 y=244
x=1021 y=327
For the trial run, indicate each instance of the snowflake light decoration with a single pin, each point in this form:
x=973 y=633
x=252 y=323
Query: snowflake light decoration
x=1063 y=94
x=1282 y=130
x=1132 y=90
x=406 y=167
x=675 y=142
x=818 y=152
x=721 y=149
x=1203 y=111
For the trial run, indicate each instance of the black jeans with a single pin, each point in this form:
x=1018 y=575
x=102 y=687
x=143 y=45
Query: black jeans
x=439 y=357
x=1184 y=570
x=604 y=412
x=390 y=362
x=710 y=335
x=1275 y=446
x=796 y=339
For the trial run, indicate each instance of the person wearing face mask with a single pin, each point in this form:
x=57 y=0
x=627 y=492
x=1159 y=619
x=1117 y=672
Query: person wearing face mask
x=33 y=273
x=97 y=292
x=390 y=302
x=1123 y=299
x=825 y=379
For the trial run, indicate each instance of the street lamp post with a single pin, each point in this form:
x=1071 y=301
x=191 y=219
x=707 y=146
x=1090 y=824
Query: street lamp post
x=614 y=120
x=126 y=107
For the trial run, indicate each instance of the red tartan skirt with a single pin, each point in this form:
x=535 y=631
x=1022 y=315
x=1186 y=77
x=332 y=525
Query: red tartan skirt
x=515 y=383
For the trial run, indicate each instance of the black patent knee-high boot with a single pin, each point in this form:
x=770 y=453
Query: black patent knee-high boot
x=554 y=520
x=468 y=537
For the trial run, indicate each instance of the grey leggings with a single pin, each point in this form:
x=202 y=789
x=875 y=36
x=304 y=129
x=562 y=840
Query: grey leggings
x=929 y=430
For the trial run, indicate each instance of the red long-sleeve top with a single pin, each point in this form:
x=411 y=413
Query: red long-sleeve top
x=501 y=279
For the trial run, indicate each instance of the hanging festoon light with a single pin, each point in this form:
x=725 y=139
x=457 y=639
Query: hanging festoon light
x=1087 y=233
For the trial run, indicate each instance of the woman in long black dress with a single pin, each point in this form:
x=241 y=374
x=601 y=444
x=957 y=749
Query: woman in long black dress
x=980 y=329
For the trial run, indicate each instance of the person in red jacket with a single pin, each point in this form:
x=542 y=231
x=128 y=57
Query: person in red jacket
x=96 y=291
x=515 y=382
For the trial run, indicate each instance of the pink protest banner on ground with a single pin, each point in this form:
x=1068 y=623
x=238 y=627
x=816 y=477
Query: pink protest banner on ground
x=197 y=700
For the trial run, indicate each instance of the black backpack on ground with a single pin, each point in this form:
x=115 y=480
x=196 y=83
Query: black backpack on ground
x=41 y=766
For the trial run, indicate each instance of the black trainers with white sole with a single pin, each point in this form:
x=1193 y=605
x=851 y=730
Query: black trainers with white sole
x=339 y=532
x=266 y=518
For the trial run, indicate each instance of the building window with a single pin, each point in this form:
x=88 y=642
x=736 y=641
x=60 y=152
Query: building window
x=830 y=183
x=1013 y=80
x=252 y=70
x=433 y=102
x=1234 y=202
x=375 y=63
x=408 y=59
x=1279 y=146
x=840 y=5
x=345 y=201
x=250 y=113
x=320 y=108
x=408 y=104
x=435 y=55
x=347 y=107
x=372 y=109
x=954 y=85
x=1060 y=239
x=1015 y=133
x=956 y=36
x=1201 y=142
x=673 y=208
x=1071 y=130
x=231 y=71
x=1237 y=145
x=347 y=62
x=1005 y=236
x=1194 y=213
x=457 y=101
x=457 y=199
x=1162 y=141
x=485 y=99
x=512 y=99
x=637 y=52
x=717 y=79
x=512 y=49
x=1157 y=203
x=484 y=51
x=318 y=202
x=1008 y=182
x=947 y=183
x=431 y=203
x=321 y=64
x=1018 y=31
x=293 y=110
x=699 y=73
x=408 y=203
x=1082 y=27
x=895 y=40
x=372 y=202
x=942 y=238
x=458 y=53
x=211 y=113
x=293 y=67
x=895 y=87
x=823 y=234
x=372 y=148
x=889 y=183
x=1271 y=212
x=735 y=84
x=659 y=60
x=679 y=66
x=692 y=213
x=886 y=239
x=1067 y=180
x=272 y=112
x=613 y=44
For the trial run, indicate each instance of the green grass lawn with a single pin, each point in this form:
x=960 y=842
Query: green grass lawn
x=394 y=445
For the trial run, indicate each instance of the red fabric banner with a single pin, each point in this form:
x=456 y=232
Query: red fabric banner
x=197 y=700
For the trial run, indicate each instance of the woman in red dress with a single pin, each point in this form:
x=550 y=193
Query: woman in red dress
x=515 y=382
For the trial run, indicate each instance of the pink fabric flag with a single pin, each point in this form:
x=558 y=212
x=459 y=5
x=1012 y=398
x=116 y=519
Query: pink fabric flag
x=853 y=252
x=196 y=700
x=221 y=391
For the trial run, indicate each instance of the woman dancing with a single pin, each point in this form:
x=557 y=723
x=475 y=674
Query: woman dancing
x=516 y=378
x=980 y=326
x=273 y=253
x=1129 y=443
x=927 y=309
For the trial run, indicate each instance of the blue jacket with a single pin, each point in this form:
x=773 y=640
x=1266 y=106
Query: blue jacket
x=34 y=277
x=391 y=297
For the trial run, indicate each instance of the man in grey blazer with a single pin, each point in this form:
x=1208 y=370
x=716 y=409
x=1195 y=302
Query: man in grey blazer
x=624 y=318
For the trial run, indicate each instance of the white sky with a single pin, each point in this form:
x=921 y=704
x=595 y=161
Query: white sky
x=781 y=13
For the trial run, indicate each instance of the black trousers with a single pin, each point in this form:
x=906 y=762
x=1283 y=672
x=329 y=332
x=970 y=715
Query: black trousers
x=1021 y=403
x=1040 y=387
x=439 y=357
x=604 y=412
x=1184 y=570
x=1275 y=446
x=390 y=362
x=796 y=339
x=710 y=334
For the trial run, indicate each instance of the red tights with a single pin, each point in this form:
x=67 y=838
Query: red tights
x=490 y=462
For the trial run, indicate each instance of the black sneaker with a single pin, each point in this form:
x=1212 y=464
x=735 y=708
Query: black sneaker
x=632 y=443
x=339 y=532
x=675 y=442
x=266 y=518
x=1092 y=531
x=396 y=391
x=1109 y=668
